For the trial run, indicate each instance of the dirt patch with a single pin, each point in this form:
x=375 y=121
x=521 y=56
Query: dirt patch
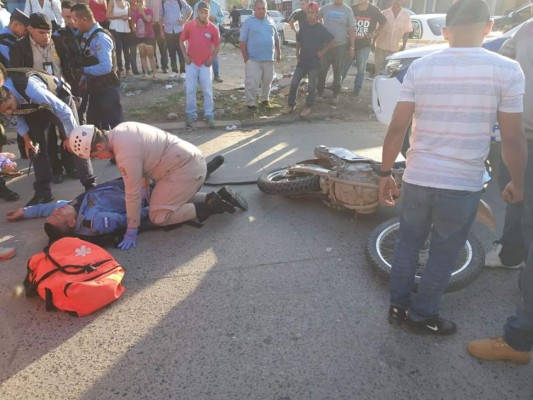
x=152 y=100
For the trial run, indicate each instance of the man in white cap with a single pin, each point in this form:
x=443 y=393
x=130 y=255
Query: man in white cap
x=142 y=153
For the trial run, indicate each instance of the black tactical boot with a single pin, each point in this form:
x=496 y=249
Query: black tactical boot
x=214 y=164
x=235 y=199
x=214 y=204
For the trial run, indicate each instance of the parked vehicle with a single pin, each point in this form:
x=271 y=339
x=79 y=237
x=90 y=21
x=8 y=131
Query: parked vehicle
x=387 y=85
x=245 y=14
x=345 y=180
x=227 y=18
x=426 y=30
x=278 y=19
x=230 y=35
x=513 y=18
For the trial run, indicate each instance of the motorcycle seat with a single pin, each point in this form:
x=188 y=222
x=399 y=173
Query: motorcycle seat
x=347 y=155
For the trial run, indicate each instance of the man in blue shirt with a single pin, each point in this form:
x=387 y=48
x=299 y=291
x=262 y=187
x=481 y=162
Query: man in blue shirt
x=215 y=17
x=259 y=45
x=99 y=70
x=33 y=107
x=99 y=211
x=174 y=14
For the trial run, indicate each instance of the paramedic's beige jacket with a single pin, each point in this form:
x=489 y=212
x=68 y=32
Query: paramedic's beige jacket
x=146 y=151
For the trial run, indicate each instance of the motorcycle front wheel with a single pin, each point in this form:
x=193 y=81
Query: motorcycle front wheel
x=283 y=182
x=380 y=252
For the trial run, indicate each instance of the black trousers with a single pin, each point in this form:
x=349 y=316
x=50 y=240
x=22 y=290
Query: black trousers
x=161 y=43
x=104 y=109
x=59 y=157
x=173 y=46
x=39 y=123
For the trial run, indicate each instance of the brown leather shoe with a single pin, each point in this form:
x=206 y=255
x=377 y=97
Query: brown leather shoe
x=495 y=349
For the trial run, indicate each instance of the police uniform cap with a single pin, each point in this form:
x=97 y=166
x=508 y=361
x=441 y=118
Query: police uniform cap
x=20 y=17
x=467 y=12
x=203 y=6
x=40 y=21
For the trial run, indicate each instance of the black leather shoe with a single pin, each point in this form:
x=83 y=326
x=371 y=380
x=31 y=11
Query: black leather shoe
x=59 y=178
x=8 y=195
x=40 y=199
x=217 y=205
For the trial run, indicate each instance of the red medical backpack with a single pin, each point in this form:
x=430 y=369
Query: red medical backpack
x=75 y=276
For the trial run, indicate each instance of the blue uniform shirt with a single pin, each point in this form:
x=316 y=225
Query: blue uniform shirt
x=38 y=93
x=260 y=36
x=214 y=10
x=102 y=48
x=103 y=209
x=3 y=48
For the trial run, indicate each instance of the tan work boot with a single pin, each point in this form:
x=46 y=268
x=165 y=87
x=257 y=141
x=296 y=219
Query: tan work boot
x=289 y=110
x=495 y=349
x=305 y=113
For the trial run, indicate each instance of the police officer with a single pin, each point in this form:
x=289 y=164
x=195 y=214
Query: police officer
x=16 y=29
x=100 y=77
x=41 y=51
x=32 y=101
x=9 y=35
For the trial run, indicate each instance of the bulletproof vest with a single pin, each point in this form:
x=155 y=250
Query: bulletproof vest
x=6 y=39
x=72 y=46
x=88 y=57
x=20 y=77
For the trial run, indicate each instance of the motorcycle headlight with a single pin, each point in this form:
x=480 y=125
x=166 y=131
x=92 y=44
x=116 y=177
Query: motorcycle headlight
x=396 y=67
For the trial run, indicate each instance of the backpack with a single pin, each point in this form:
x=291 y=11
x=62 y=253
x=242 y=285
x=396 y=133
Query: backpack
x=75 y=276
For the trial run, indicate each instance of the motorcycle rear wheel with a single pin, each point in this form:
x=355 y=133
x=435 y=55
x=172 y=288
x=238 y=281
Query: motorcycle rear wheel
x=283 y=182
x=380 y=251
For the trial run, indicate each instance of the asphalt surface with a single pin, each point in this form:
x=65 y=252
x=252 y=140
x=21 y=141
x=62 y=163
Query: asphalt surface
x=275 y=303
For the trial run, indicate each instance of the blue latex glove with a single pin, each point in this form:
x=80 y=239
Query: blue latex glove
x=129 y=241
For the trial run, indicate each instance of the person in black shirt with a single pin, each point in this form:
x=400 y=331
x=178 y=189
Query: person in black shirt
x=312 y=43
x=367 y=16
x=235 y=18
x=299 y=16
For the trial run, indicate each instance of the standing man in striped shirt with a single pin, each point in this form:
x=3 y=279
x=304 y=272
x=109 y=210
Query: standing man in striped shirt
x=454 y=98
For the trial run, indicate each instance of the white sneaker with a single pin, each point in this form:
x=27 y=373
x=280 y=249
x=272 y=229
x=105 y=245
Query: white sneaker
x=172 y=74
x=493 y=260
x=182 y=75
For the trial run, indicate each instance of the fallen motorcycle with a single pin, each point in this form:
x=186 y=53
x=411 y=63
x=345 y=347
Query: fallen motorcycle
x=343 y=179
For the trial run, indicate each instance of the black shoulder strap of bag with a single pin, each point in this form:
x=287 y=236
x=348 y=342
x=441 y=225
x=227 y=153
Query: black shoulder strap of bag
x=5 y=36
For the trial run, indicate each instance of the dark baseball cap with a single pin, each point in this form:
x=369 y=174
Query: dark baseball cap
x=202 y=5
x=19 y=16
x=467 y=12
x=40 y=21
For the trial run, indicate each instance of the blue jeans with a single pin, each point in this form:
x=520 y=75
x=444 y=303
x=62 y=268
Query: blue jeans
x=517 y=232
x=518 y=331
x=361 y=59
x=195 y=74
x=448 y=216
x=299 y=74
x=215 y=67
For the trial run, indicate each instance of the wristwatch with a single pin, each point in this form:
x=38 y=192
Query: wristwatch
x=384 y=174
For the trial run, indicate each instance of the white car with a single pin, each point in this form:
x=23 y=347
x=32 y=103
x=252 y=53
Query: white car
x=278 y=19
x=387 y=85
x=426 y=30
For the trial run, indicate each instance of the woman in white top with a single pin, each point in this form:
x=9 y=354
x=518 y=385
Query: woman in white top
x=52 y=9
x=119 y=14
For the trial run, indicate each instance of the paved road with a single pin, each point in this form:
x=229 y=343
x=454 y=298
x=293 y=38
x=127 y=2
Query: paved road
x=252 y=305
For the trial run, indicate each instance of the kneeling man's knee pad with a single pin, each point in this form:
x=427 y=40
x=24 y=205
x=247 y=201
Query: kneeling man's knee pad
x=159 y=217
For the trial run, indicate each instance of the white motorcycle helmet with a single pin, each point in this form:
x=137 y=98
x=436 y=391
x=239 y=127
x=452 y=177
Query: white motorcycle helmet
x=80 y=140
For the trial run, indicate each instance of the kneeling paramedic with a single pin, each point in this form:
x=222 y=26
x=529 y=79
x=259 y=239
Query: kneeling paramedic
x=142 y=153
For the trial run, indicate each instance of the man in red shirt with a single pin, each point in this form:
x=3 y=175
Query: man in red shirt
x=203 y=43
